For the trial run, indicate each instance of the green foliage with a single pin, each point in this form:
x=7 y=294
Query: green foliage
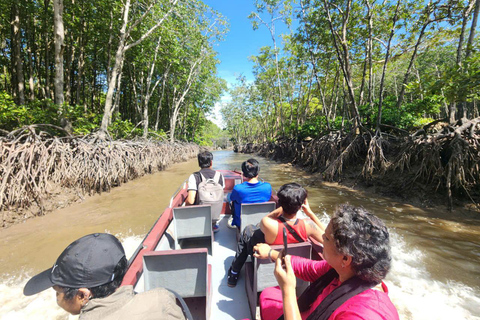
x=410 y=115
x=122 y=129
x=45 y=112
x=173 y=66
x=212 y=135
x=83 y=122
x=37 y=112
x=11 y=115
x=312 y=127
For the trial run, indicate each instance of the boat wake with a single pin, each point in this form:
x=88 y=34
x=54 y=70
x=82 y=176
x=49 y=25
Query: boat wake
x=16 y=306
x=417 y=296
x=413 y=291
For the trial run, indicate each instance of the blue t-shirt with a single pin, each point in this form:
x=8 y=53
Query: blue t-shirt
x=249 y=193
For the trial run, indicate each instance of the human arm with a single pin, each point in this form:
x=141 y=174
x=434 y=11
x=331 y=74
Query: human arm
x=264 y=251
x=287 y=282
x=190 y=197
x=269 y=225
x=305 y=269
x=315 y=228
x=192 y=190
x=222 y=178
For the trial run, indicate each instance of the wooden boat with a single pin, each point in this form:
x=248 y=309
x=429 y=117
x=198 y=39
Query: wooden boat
x=181 y=253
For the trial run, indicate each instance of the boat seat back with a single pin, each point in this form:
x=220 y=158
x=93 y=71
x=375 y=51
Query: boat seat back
x=252 y=213
x=192 y=221
x=184 y=271
x=259 y=273
x=193 y=227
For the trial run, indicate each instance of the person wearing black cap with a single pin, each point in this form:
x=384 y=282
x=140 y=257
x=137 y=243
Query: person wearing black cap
x=87 y=277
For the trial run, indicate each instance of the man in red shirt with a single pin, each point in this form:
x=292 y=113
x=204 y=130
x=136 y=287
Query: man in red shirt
x=291 y=197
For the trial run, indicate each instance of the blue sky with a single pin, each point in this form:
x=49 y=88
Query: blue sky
x=240 y=43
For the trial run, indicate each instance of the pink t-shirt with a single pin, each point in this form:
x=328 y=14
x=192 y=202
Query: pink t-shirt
x=369 y=305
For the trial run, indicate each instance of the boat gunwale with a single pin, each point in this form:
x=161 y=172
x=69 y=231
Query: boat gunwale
x=152 y=238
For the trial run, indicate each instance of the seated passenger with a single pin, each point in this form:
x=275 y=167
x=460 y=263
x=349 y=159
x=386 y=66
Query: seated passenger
x=87 y=277
x=346 y=285
x=197 y=186
x=251 y=191
x=291 y=197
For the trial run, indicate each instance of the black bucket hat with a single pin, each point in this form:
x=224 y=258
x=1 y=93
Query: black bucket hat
x=86 y=263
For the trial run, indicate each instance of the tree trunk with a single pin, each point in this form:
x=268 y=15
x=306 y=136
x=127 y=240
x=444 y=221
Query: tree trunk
x=344 y=57
x=119 y=56
x=164 y=81
x=94 y=78
x=69 y=70
x=81 y=63
x=178 y=99
x=108 y=71
x=30 y=34
x=387 y=54
x=116 y=103
x=148 y=92
x=17 y=56
x=466 y=13
x=47 y=54
x=59 y=47
x=462 y=106
x=107 y=112
x=409 y=69
x=368 y=55
x=472 y=30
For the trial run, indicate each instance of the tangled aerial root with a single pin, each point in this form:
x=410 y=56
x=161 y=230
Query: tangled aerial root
x=33 y=165
x=448 y=159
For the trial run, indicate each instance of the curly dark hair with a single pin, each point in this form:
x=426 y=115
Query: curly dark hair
x=365 y=238
x=103 y=290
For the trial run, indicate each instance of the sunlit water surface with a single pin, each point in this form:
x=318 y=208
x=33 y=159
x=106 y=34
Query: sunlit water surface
x=436 y=255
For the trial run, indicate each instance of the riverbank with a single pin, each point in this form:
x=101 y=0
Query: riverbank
x=409 y=178
x=41 y=174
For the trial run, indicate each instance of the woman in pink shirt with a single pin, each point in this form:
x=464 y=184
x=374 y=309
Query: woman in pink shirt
x=346 y=285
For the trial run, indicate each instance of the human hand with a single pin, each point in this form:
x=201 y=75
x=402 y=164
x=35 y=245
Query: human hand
x=285 y=276
x=306 y=208
x=261 y=251
x=276 y=213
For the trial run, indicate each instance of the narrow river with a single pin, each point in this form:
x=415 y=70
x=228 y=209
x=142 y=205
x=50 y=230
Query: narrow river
x=436 y=267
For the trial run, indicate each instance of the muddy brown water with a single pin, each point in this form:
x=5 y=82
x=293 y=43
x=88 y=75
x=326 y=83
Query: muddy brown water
x=436 y=254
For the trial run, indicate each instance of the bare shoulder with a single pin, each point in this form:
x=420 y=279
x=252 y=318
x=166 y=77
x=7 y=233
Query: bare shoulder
x=269 y=227
x=268 y=222
x=308 y=222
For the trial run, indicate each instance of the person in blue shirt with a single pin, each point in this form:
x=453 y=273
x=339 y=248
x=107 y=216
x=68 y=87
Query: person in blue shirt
x=251 y=191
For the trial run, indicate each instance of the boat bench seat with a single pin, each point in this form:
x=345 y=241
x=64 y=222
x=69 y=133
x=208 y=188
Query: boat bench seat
x=186 y=272
x=259 y=273
x=193 y=227
x=252 y=213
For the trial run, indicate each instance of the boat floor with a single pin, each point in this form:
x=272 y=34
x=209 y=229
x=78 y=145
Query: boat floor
x=227 y=302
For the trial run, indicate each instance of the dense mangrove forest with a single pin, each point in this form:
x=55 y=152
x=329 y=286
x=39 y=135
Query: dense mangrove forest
x=95 y=93
x=386 y=93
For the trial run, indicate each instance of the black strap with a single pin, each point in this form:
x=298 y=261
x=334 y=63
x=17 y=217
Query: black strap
x=339 y=296
x=199 y=177
x=186 y=310
x=291 y=230
x=334 y=300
